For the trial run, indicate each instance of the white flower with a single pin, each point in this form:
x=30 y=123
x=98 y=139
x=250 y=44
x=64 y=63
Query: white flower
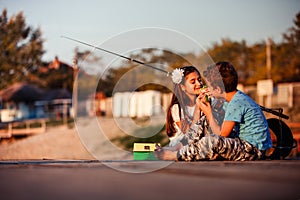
x=177 y=75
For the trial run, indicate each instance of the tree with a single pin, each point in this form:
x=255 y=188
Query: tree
x=21 y=49
x=89 y=65
x=239 y=54
x=287 y=60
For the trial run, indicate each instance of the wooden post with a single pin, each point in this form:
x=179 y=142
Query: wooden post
x=65 y=112
x=10 y=128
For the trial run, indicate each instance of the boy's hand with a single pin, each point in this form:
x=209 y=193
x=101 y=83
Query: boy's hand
x=204 y=105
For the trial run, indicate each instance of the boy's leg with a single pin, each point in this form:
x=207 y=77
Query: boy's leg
x=236 y=149
x=212 y=146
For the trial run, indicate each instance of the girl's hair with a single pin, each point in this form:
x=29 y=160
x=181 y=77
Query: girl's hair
x=179 y=97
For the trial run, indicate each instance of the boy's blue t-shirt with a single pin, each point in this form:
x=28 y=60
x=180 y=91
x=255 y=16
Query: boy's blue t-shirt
x=251 y=124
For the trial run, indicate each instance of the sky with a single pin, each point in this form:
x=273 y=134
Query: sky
x=206 y=22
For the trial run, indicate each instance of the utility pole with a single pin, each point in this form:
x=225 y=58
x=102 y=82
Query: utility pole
x=268 y=57
x=75 y=85
x=265 y=87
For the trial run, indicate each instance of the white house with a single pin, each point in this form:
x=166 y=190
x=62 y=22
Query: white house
x=137 y=104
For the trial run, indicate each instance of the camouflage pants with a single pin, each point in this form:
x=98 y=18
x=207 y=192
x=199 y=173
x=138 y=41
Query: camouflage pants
x=215 y=147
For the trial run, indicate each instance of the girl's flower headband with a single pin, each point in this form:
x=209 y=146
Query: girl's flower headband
x=177 y=76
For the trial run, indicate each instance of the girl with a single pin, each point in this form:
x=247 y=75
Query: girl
x=183 y=113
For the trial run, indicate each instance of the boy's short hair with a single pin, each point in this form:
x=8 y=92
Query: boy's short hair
x=222 y=74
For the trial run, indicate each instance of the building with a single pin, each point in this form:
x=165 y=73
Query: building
x=26 y=101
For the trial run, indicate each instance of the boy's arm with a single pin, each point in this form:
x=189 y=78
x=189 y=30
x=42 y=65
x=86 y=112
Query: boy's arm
x=227 y=128
x=216 y=129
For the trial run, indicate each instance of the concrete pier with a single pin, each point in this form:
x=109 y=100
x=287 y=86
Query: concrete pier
x=90 y=179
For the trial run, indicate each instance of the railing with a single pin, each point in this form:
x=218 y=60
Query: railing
x=23 y=127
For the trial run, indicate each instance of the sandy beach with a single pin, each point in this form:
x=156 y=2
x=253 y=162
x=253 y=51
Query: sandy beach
x=66 y=143
x=57 y=143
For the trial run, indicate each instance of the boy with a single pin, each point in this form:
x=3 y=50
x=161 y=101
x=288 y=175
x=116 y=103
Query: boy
x=243 y=117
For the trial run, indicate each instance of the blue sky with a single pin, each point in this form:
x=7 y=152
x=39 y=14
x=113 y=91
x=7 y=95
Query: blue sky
x=95 y=21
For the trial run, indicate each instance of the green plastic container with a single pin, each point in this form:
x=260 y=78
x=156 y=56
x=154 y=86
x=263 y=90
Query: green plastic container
x=144 y=151
x=144 y=156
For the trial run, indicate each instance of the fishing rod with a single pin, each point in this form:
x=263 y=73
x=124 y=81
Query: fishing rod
x=159 y=69
x=119 y=55
x=274 y=112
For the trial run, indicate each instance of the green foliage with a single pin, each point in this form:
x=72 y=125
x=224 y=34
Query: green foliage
x=21 y=49
x=287 y=59
x=114 y=75
x=250 y=61
x=238 y=53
